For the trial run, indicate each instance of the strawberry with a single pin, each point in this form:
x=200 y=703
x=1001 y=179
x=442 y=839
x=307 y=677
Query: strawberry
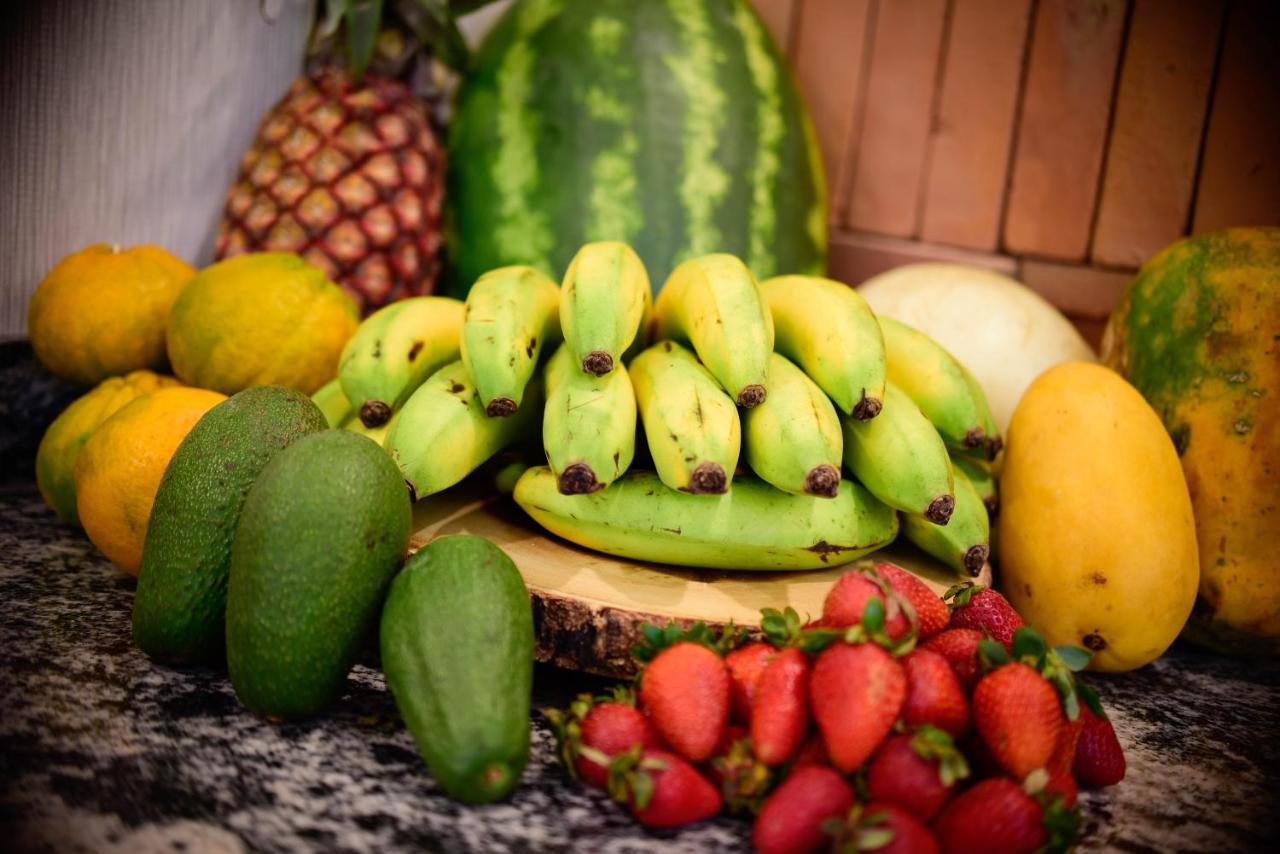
x=1099 y=758
x=661 y=789
x=976 y=607
x=856 y=692
x=917 y=772
x=1017 y=714
x=780 y=715
x=994 y=815
x=934 y=694
x=885 y=828
x=745 y=664
x=792 y=818
x=1063 y=785
x=595 y=730
x=960 y=648
x=847 y=599
x=932 y=613
x=685 y=689
x=812 y=752
x=741 y=778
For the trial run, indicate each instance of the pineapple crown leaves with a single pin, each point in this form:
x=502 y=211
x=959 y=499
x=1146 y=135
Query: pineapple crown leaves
x=744 y=780
x=431 y=23
x=567 y=726
x=1058 y=664
x=929 y=742
x=858 y=831
x=656 y=639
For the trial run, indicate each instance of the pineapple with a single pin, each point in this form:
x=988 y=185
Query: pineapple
x=349 y=176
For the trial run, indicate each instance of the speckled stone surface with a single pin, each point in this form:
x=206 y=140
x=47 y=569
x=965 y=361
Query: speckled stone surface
x=102 y=751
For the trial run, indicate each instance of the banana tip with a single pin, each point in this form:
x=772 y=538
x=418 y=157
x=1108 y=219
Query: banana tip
x=975 y=438
x=939 y=510
x=374 y=413
x=866 y=408
x=708 y=479
x=501 y=407
x=994 y=446
x=975 y=558
x=752 y=395
x=992 y=503
x=823 y=481
x=597 y=362
x=578 y=479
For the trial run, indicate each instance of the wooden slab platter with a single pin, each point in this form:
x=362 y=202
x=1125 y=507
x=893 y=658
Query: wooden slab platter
x=589 y=607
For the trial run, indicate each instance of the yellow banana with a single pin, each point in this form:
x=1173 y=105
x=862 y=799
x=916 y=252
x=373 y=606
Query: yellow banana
x=332 y=402
x=793 y=439
x=964 y=543
x=604 y=300
x=901 y=459
x=981 y=478
x=690 y=423
x=714 y=303
x=441 y=434
x=512 y=313
x=589 y=425
x=828 y=329
x=752 y=527
x=938 y=384
x=394 y=350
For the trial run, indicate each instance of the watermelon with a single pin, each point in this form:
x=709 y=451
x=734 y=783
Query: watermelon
x=671 y=125
x=1198 y=333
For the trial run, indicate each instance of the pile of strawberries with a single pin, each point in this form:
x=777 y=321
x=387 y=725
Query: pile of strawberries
x=897 y=722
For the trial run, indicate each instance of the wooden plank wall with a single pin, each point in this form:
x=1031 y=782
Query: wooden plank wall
x=1060 y=141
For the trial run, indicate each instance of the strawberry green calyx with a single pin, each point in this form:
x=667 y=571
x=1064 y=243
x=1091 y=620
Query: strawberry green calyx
x=859 y=831
x=656 y=639
x=629 y=780
x=744 y=780
x=934 y=744
x=1059 y=665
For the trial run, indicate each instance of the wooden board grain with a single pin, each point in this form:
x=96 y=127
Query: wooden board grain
x=901 y=83
x=589 y=607
x=1062 y=131
x=1159 y=122
x=968 y=157
x=857 y=256
x=1240 y=175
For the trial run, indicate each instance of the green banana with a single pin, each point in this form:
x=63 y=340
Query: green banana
x=332 y=402
x=964 y=543
x=752 y=527
x=828 y=329
x=993 y=444
x=604 y=300
x=714 y=303
x=377 y=434
x=690 y=423
x=512 y=313
x=394 y=350
x=589 y=425
x=441 y=434
x=981 y=478
x=900 y=457
x=938 y=384
x=793 y=439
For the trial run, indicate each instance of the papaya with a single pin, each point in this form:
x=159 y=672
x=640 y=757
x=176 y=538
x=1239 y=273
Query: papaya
x=1197 y=332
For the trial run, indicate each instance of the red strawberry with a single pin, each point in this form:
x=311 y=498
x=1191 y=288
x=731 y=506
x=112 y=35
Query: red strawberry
x=994 y=815
x=1099 y=759
x=1061 y=782
x=593 y=730
x=792 y=818
x=984 y=609
x=960 y=648
x=745 y=664
x=734 y=768
x=849 y=596
x=917 y=772
x=780 y=715
x=1064 y=786
x=812 y=752
x=1016 y=712
x=685 y=689
x=856 y=692
x=663 y=790
x=932 y=613
x=934 y=694
x=885 y=828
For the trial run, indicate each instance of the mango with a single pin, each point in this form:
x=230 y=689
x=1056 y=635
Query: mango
x=1097 y=538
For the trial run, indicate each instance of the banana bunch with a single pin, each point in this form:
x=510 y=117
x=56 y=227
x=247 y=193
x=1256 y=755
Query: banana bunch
x=394 y=350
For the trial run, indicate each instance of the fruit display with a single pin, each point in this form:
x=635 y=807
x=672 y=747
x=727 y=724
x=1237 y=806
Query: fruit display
x=101 y=312
x=1112 y=569
x=690 y=138
x=1001 y=331
x=1196 y=333
x=263 y=319
x=589 y=424
x=847 y=732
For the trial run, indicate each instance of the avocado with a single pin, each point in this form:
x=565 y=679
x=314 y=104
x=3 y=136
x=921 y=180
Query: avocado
x=322 y=533
x=179 y=608
x=457 y=650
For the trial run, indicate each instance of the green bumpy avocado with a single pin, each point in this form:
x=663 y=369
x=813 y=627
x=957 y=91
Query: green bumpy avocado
x=457 y=650
x=180 y=606
x=323 y=531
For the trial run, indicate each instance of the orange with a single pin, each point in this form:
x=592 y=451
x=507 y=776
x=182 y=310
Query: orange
x=118 y=470
x=102 y=311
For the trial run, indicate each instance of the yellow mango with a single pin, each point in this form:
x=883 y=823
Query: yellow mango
x=1097 y=539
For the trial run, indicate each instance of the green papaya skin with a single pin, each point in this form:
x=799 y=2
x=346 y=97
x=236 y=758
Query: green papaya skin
x=322 y=533
x=457 y=650
x=179 y=610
